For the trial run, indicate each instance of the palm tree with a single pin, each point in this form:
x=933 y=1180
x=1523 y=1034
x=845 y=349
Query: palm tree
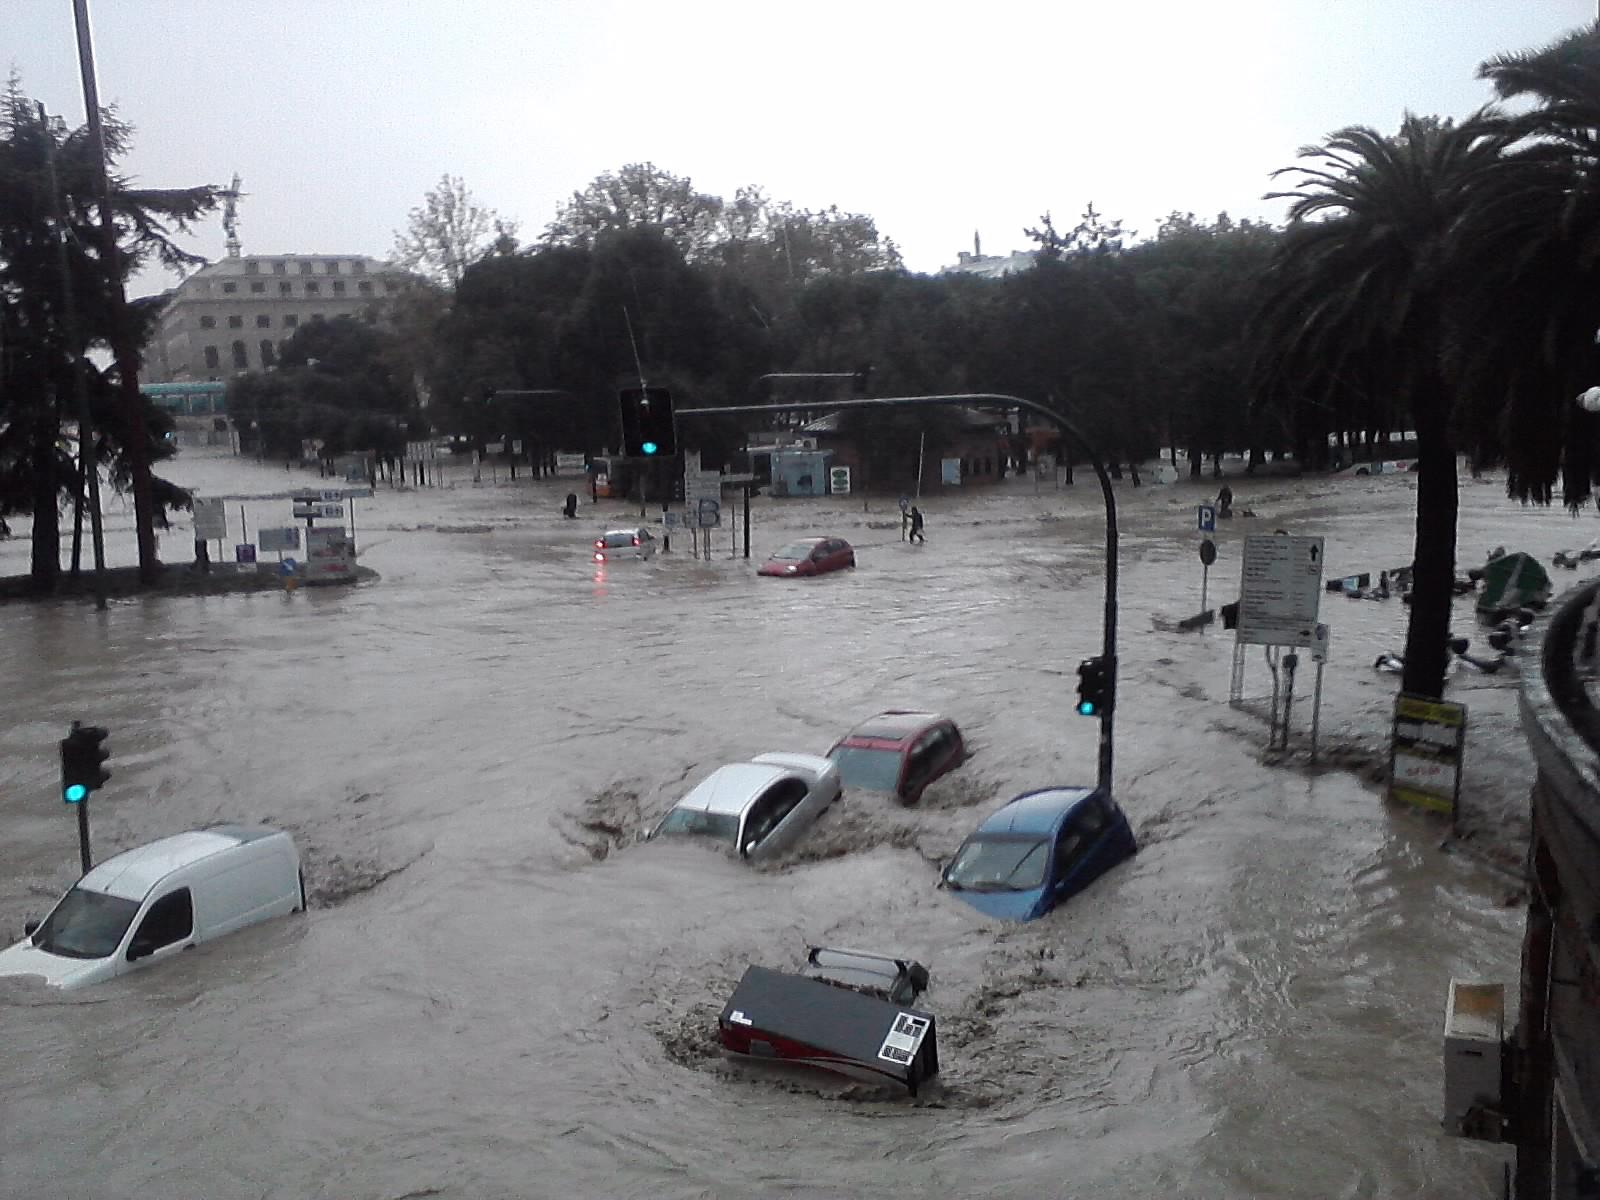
x=1530 y=241
x=1361 y=288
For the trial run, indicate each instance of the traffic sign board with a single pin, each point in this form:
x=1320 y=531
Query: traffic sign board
x=1208 y=551
x=1208 y=518
x=330 y=512
x=1280 y=587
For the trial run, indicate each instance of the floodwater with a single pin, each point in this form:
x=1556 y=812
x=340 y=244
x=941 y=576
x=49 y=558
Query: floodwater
x=499 y=991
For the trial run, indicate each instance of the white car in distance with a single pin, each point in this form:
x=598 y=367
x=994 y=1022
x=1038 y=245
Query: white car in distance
x=634 y=542
x=758 y=808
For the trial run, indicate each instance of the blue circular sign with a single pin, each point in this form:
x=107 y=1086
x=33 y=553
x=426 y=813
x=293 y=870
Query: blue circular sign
x=288 y=567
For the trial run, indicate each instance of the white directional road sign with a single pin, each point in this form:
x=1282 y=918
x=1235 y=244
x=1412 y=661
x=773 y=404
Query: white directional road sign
x=702 y=498
x=1280 y=587
x=210 y=519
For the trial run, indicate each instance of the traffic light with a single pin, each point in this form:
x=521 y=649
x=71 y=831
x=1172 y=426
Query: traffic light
x=82 y=754
x=1094 y=687
x=648 y=430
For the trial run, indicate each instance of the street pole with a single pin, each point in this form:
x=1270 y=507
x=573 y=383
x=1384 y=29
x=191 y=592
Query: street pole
x=1109 y=627
x=123 y=349
x=86 y=455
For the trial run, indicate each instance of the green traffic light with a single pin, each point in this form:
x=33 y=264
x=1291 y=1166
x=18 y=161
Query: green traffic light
x=649 y=447
x=75 y=793
x=1085 y=708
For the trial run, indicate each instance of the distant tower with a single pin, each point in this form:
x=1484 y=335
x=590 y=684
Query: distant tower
x=230 y=215
x=977 y=246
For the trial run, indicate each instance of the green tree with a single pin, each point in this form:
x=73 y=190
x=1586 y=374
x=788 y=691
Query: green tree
x=1530 y=245
x=1363 y=282
x=449 y=231
x=50 y=203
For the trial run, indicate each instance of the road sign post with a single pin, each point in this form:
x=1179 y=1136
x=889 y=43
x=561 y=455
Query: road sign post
x=1208 y=555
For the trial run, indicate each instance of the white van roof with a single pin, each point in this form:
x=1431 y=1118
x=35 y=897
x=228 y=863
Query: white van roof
x=133 y=873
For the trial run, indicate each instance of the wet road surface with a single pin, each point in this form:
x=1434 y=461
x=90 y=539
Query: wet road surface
x=499 y=991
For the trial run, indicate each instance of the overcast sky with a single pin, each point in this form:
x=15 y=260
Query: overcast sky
x=935 y=119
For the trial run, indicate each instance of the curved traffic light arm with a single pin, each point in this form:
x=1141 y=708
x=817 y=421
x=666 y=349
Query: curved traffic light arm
x=1109 y=644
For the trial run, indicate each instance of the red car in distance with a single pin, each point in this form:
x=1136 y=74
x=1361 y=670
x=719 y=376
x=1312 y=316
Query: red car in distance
x=899 y=752
x=810 y=556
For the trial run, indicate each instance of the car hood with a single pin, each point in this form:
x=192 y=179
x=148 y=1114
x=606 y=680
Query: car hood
x=1008 y=906
x=55 y=969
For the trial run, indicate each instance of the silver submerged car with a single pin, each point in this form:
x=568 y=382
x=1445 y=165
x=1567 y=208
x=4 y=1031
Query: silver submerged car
x=758 y=808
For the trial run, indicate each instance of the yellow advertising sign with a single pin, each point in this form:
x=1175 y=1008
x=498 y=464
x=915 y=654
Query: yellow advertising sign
x=1425 y=752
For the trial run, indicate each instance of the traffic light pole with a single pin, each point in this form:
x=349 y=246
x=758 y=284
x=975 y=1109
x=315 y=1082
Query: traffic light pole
x=1109 y=641
x=83 y=834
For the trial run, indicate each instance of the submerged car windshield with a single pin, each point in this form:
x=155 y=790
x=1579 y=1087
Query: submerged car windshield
x=85 y=925
x=795 y=551
x=1007 y=864
x=724 y=827
x=861 y=767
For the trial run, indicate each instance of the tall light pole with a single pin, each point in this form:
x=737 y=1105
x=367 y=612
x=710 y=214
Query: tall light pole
x=1109 y=634
x=122 y=347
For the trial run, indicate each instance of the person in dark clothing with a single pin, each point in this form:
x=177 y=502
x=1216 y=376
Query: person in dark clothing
x=916 y=525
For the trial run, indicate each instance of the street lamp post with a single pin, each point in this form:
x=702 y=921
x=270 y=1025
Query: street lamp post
x=1109 y=638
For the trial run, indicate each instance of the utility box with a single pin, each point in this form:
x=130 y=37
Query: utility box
x=1474 y=1032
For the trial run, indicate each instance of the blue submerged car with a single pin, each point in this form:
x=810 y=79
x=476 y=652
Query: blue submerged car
x=1038 y=850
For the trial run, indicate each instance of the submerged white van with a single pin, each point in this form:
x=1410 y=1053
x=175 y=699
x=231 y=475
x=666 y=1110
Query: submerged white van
x=150 y=903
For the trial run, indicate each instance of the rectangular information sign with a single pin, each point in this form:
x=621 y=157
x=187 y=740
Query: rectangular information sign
x=1425 y=751
x=1280 y=587
x=210 y=519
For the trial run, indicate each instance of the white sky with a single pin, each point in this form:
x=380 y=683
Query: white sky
x=936 y=119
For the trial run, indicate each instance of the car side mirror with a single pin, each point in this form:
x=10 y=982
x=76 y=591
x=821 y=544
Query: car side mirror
x=29 y=928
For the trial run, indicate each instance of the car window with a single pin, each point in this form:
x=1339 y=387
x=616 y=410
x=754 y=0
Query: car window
x=86 y=924
x=1090 y=817
x=794 y=552
x=724 y=827
x=776 y=803
x=170 y=919
x=622 y=538
x=862 y=767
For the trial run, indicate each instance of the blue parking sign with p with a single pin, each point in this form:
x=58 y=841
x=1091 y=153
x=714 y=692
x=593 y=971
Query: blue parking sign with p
x=1208 y=518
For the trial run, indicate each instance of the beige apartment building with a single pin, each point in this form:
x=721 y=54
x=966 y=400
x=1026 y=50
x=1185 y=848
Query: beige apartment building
x=234 y=315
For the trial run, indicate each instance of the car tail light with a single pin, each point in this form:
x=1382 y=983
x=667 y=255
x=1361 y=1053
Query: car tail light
x=635 y=541
x=599 y=543
x=599 y=557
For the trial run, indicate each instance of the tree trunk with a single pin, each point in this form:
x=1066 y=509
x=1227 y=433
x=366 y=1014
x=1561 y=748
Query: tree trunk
x=1434 y=564
x=44 y=566
x=1196 y=463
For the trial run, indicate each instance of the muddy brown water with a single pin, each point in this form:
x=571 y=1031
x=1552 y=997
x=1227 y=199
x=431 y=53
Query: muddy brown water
x=500 y=991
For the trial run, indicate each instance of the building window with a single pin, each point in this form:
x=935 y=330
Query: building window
x=252 y=267
x=203 y=288
x=268 y=353
x=236 y=322
x=313 y=288
x=290 y=320
x=241 y=356
x=263 y=321
x=333 y=266
x=317 y=317
x=338 y=287
x=280 y=268
x=258 y=287
x=358 y=267
x=208 y=322
x=285 y=288
x=212 y=360
x=364 y=287
x=305 y=268
x=230 y=288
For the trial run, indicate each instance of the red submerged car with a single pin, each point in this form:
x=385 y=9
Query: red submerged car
x=899 y=752
x=810 y=556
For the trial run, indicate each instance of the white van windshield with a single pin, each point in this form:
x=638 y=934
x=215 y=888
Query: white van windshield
x=85 y=925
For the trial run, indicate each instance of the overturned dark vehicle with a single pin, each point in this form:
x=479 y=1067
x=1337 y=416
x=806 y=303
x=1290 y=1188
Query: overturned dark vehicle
x=846 y=1011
